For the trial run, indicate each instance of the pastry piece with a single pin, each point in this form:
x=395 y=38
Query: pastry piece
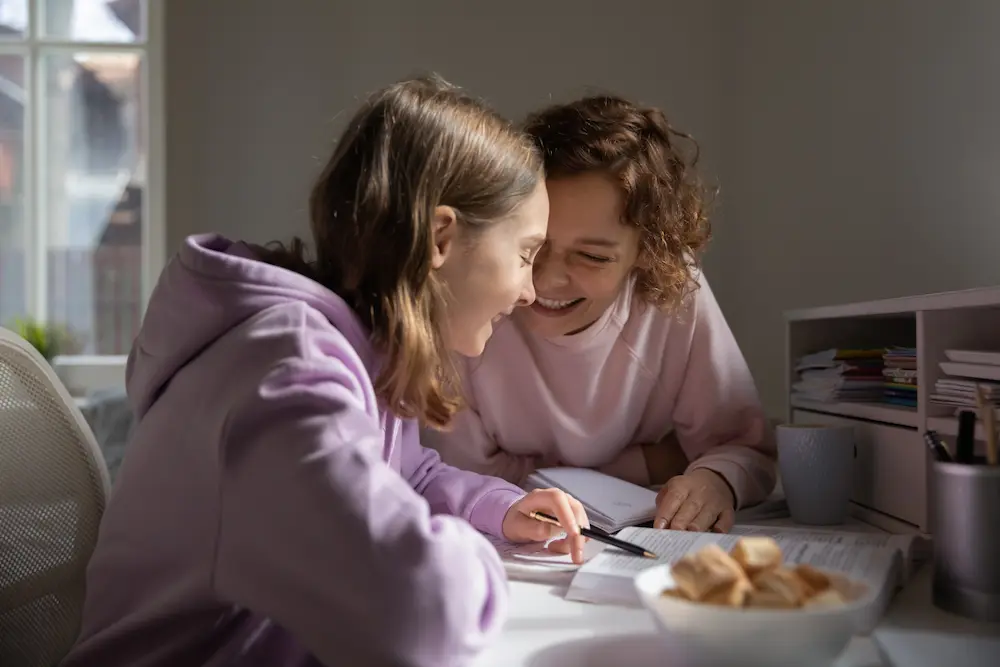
x=814 y=579
x=704 y=572
x=840 y=583
x=752 y=576
x=828 y=598
x=674 y=593
x=768 y=600
x=730 y=595
x=783 y=582
x=756 y=554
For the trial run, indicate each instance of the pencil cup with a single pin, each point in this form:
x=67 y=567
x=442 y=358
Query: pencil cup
x=817 y=471
x=965 y=515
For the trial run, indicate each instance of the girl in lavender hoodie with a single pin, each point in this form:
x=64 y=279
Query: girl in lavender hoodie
x=276 y=508
x=624 y=362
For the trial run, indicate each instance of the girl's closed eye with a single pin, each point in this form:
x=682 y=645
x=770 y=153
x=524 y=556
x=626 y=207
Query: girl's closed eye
x=532 y=254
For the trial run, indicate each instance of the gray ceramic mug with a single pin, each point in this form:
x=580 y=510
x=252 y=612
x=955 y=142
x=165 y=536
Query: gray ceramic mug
x=817 y=471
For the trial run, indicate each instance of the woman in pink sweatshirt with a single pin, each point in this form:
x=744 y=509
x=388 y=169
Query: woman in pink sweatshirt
x=624 y=362
x=276 y=508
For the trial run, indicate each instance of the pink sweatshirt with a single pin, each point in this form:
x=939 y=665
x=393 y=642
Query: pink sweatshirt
x=631 y=378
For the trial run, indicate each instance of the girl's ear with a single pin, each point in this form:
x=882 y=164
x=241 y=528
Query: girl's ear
x=444 y=228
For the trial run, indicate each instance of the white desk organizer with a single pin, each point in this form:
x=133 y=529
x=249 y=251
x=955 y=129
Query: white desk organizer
x=891 y=479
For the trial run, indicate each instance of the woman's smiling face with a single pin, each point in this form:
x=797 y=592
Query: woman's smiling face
x=588 y=255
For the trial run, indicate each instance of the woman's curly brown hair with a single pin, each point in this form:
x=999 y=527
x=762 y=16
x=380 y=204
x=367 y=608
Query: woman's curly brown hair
x=655 y=165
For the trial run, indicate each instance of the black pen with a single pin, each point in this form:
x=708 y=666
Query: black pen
x=937 y=446
x=965 y=444
x=598 y=536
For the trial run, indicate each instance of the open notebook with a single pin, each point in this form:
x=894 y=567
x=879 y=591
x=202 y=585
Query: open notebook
x=613 y=504
x=882 y=561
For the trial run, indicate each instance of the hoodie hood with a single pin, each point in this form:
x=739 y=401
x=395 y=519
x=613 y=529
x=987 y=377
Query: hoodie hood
x=209 y=287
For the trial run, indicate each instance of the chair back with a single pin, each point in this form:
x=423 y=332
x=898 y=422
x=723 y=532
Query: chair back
x=53 y=489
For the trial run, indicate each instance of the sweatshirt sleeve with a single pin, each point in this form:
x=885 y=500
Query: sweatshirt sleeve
x=468 y=445
x=320 y=535
x=718 y=416
x=481 y=500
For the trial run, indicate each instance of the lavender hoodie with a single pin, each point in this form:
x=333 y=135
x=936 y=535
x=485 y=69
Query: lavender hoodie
x=269 y=511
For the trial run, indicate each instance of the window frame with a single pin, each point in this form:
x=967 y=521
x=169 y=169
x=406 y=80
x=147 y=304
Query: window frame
x=85 y=373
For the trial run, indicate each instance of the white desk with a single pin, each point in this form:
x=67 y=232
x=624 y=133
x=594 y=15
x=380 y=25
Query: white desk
x=546 y=630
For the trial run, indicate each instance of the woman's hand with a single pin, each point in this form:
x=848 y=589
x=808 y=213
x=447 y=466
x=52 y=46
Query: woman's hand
x=700 y=500
x=519 y=527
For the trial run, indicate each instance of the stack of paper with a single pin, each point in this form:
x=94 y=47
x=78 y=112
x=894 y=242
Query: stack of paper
x=611 y=503
x=840 y=375
x=974 y=364
x=961 y=393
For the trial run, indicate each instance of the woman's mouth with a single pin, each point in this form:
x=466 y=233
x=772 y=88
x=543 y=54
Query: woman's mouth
x=555 y=307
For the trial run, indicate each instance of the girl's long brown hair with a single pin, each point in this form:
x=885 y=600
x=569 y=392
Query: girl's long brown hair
x=413 y=146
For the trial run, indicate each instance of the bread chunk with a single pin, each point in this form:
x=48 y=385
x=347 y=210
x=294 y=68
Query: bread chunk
x=706 y=571
x=768 y=600
x=816 y=580
x=783 y=582
x=674 y=593
x=752 y=576
x=756 y=554
x=731 y=595
x=828 y=598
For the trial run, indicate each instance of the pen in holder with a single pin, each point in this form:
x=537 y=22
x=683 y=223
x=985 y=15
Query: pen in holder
x=966 y=527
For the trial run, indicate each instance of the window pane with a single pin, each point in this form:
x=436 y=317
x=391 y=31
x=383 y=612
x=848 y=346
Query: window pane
x=13 y=230
x=94 y=154
x=13 y=19
x=94 y=20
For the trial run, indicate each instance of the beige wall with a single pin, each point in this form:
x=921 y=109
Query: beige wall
x=861 y=151
x=856 y=141
x=255 y=88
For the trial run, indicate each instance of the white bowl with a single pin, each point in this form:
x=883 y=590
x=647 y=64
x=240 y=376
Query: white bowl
x=714 y=636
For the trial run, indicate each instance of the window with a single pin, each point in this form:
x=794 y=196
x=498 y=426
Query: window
x=81 y=182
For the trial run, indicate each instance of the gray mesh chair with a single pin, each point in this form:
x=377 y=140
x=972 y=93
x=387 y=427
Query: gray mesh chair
x=53 y=489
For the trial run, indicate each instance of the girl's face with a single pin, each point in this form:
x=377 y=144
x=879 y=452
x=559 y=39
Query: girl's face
x=587 y=257
x=488 y=273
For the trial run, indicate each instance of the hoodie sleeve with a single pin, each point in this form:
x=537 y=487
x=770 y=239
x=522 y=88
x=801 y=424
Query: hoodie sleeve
x=481 y=500
x=323 y=537
x=718 y=417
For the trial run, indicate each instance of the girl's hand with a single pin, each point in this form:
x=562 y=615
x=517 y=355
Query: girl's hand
x=519 y=527
x=700 y=500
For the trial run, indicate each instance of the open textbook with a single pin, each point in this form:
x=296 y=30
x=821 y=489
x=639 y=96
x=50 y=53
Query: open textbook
x=881 y=560
x=613 y=504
